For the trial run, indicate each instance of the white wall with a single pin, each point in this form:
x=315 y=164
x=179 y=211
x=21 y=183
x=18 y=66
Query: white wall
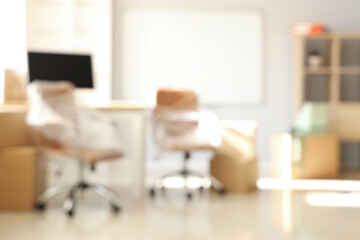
x=76 y=27
x=12 y=40
x=275 y=114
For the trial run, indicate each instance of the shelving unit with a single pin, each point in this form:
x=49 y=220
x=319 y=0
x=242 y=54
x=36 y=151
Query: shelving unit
x=336 y=81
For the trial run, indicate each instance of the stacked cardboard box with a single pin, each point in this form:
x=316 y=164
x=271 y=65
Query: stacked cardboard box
x=235 y=163
x=13 y=129
x=14 y=86
x=20 y=182
x=21 y=176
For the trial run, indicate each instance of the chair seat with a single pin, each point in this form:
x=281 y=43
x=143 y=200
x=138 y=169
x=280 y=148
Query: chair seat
x=98 y=157
x=189 y=131
x=87 y=155
x=190 y=141
x=185 y=148
x=91 y=156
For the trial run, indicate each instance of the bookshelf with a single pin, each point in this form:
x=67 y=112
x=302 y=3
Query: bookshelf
x=335 y=80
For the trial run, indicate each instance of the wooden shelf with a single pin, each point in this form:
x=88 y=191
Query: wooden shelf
x=331 y=36
x=348 y=103
x=329 y=70
x=350 y=174
x=349 y=70
x=317 y=36
x=318 y=70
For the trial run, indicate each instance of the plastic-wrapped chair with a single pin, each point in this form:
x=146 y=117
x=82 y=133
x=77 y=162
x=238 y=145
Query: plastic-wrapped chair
x=85 y=135
x=180 y=126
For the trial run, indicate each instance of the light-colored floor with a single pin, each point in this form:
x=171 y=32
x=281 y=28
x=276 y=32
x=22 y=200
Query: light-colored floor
x=263 y=214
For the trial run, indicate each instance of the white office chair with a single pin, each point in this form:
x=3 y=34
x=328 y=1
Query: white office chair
x=180 y=126
x=61 y=127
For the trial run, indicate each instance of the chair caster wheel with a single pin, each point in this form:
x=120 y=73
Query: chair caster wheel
x=189 y=195
x=152 y=193
x=70 y=213
x=40 y=206
x=115 y=208
x=222 y=191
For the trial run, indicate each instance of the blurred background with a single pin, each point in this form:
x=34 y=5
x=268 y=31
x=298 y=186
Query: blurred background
x=282 y=77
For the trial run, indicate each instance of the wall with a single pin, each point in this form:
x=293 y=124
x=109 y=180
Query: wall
x=75 y=27
x=275 y=115
x=12 y=40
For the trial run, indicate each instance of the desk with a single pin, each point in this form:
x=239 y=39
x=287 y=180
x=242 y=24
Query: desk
x=134 y=112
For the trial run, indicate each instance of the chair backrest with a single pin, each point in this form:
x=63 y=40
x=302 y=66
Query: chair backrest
x=57 y=96
x=53 y=112
x=14 y=86
x=179 y=125
x=176 y=100
x=60 y=125
x=174 y=112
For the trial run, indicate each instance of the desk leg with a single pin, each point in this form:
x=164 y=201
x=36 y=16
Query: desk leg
x=138 y=154
x=137 y=148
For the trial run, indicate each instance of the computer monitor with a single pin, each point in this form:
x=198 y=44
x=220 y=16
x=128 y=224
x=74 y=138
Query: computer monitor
x=75 y=68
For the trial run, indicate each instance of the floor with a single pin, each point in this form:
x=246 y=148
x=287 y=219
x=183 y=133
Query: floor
x=262 y=214
x=332 y=213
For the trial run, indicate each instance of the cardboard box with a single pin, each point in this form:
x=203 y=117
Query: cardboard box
x=311 y=157
x=235 y=163
x=14 y=86
x=22 y=178
x=319 y=158
x=235 y=175
x=238 y=137
x=13 y=128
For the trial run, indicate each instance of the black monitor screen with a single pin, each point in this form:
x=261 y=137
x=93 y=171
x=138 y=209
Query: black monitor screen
x=75 y=68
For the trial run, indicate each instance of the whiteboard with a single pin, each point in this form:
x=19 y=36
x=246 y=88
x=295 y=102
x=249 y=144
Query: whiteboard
x=219 y=53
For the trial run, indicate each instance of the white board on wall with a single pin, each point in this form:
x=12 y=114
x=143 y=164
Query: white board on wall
x=218 y=52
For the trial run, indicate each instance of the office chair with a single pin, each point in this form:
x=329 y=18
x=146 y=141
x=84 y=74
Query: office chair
x=62 y=127
x=180 y=126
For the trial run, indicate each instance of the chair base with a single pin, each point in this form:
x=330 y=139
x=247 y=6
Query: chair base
x=185 y=174
x=73 y=193
x=159 y=183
